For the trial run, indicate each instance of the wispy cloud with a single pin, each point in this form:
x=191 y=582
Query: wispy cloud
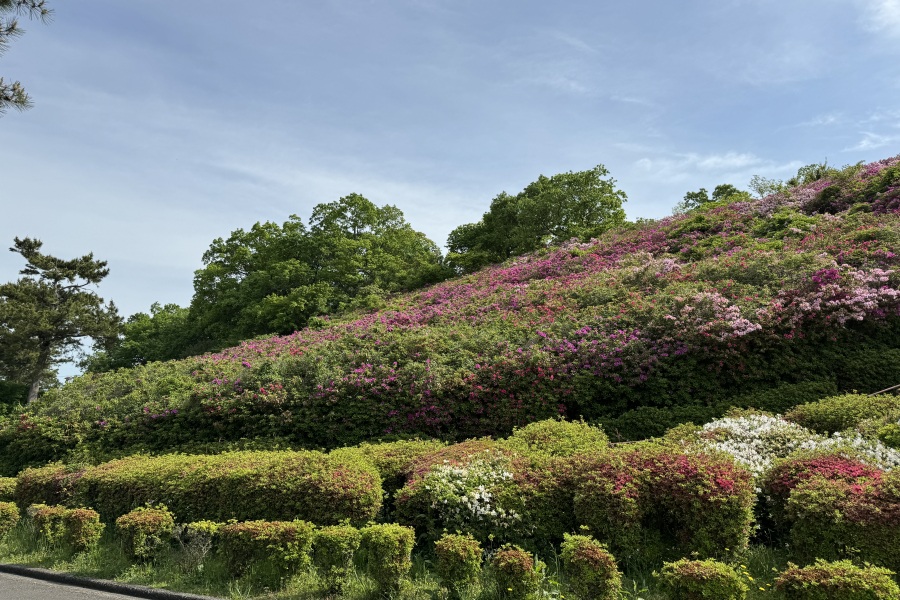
x=735 y=167
x=882 y=16
x=872 y=141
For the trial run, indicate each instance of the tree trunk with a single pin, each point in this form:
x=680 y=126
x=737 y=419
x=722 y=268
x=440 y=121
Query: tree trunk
x=33 y=389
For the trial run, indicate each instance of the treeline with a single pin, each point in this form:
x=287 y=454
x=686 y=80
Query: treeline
x=351 y=254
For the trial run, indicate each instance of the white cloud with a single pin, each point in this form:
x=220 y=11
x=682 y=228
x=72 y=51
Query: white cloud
x=871 y=141
x=735 y=167
x=883 y=16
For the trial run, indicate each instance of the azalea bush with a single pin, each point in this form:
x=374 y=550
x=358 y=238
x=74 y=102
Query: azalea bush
x=7 y=489
x=650 y=325
x=387 y=553
x=145 y=531
x=238 y=485
x=474 y=493
x=9 y=517
x=457 y=562
x=825 y=580
x=590 y=569
x=275 y=548
x=656 y=502
x=838 y=413
x=701 y=580
x=334 y=548
x=517 y=574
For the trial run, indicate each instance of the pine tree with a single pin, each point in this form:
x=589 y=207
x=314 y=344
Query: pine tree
x=12 y=95
x=47 y=313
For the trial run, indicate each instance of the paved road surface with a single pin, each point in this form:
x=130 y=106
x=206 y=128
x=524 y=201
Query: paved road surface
x=14 y=587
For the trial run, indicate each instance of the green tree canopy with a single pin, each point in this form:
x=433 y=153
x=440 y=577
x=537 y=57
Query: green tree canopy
x=274 y=278
x=550 y=210
x=46 y=314
x=12 y=95
x=722 y=193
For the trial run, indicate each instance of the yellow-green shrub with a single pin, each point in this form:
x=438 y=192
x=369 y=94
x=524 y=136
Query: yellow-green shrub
x=516 y=573
x=838 y=413
x=553 y=437
x=387 y=551
x=145 y=531
x=333 y=551
x=842 y=579
x=54 y=485
x=458 y=561
x=247 y=485
x=590 y=568
x=9 y=517
x=82 y=529
x=7 y=489
x=282 y=546
x=48 y=521
x=701 y=580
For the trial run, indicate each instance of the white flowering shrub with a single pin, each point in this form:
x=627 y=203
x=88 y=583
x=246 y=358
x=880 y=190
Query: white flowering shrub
x=755 y=441
x=478 y=497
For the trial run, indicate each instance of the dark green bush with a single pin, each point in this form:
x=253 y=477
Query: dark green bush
x=516 y=573
x=457 y=562
x=145 y=531
x=82 y=529
x=239 y=485
x=387 y=551
x=832 y=580
x=837 y=413
x=277 y=548
x=9 y=517
x=333 y=551
x=590 y=568
x=701 y=580
x=7 y=489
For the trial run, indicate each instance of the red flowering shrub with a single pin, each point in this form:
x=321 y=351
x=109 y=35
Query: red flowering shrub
x=787 y=474
x=837 y=518
x=656 y=502
x=516 y=573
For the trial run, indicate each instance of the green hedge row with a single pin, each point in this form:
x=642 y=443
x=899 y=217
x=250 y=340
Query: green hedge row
x=280 y=485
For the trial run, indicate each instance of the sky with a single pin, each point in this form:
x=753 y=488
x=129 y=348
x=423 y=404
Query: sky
x=159 y=126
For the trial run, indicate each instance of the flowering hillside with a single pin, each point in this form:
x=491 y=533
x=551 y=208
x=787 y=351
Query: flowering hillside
x=767 y=303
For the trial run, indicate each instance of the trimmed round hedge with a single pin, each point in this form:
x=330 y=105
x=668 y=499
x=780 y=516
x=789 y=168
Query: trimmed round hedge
x=275 y=486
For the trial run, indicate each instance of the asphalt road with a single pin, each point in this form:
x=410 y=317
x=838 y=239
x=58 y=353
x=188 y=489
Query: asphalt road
x=14 y=587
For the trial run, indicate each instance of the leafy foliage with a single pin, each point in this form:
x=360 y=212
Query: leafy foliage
x=824 y=580
x=458 y=562
x=45 y=314
x=145 y=531
x=9 y=517
x=516 y=572
x=550 y=210
x=590 y=568
x=282 y=546
x=335 y=547
x=701 y=580
x=387 y=553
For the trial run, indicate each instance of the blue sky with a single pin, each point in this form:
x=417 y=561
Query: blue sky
x=160 y=125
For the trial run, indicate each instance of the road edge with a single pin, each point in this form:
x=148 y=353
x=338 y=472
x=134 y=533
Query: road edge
x=103 y=585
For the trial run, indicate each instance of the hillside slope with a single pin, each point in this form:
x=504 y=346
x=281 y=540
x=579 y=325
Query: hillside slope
x=767 y=303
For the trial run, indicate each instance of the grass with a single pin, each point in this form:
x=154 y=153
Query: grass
x=197 y=570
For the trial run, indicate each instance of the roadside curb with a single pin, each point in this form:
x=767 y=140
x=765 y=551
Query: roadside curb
x=99 y=584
